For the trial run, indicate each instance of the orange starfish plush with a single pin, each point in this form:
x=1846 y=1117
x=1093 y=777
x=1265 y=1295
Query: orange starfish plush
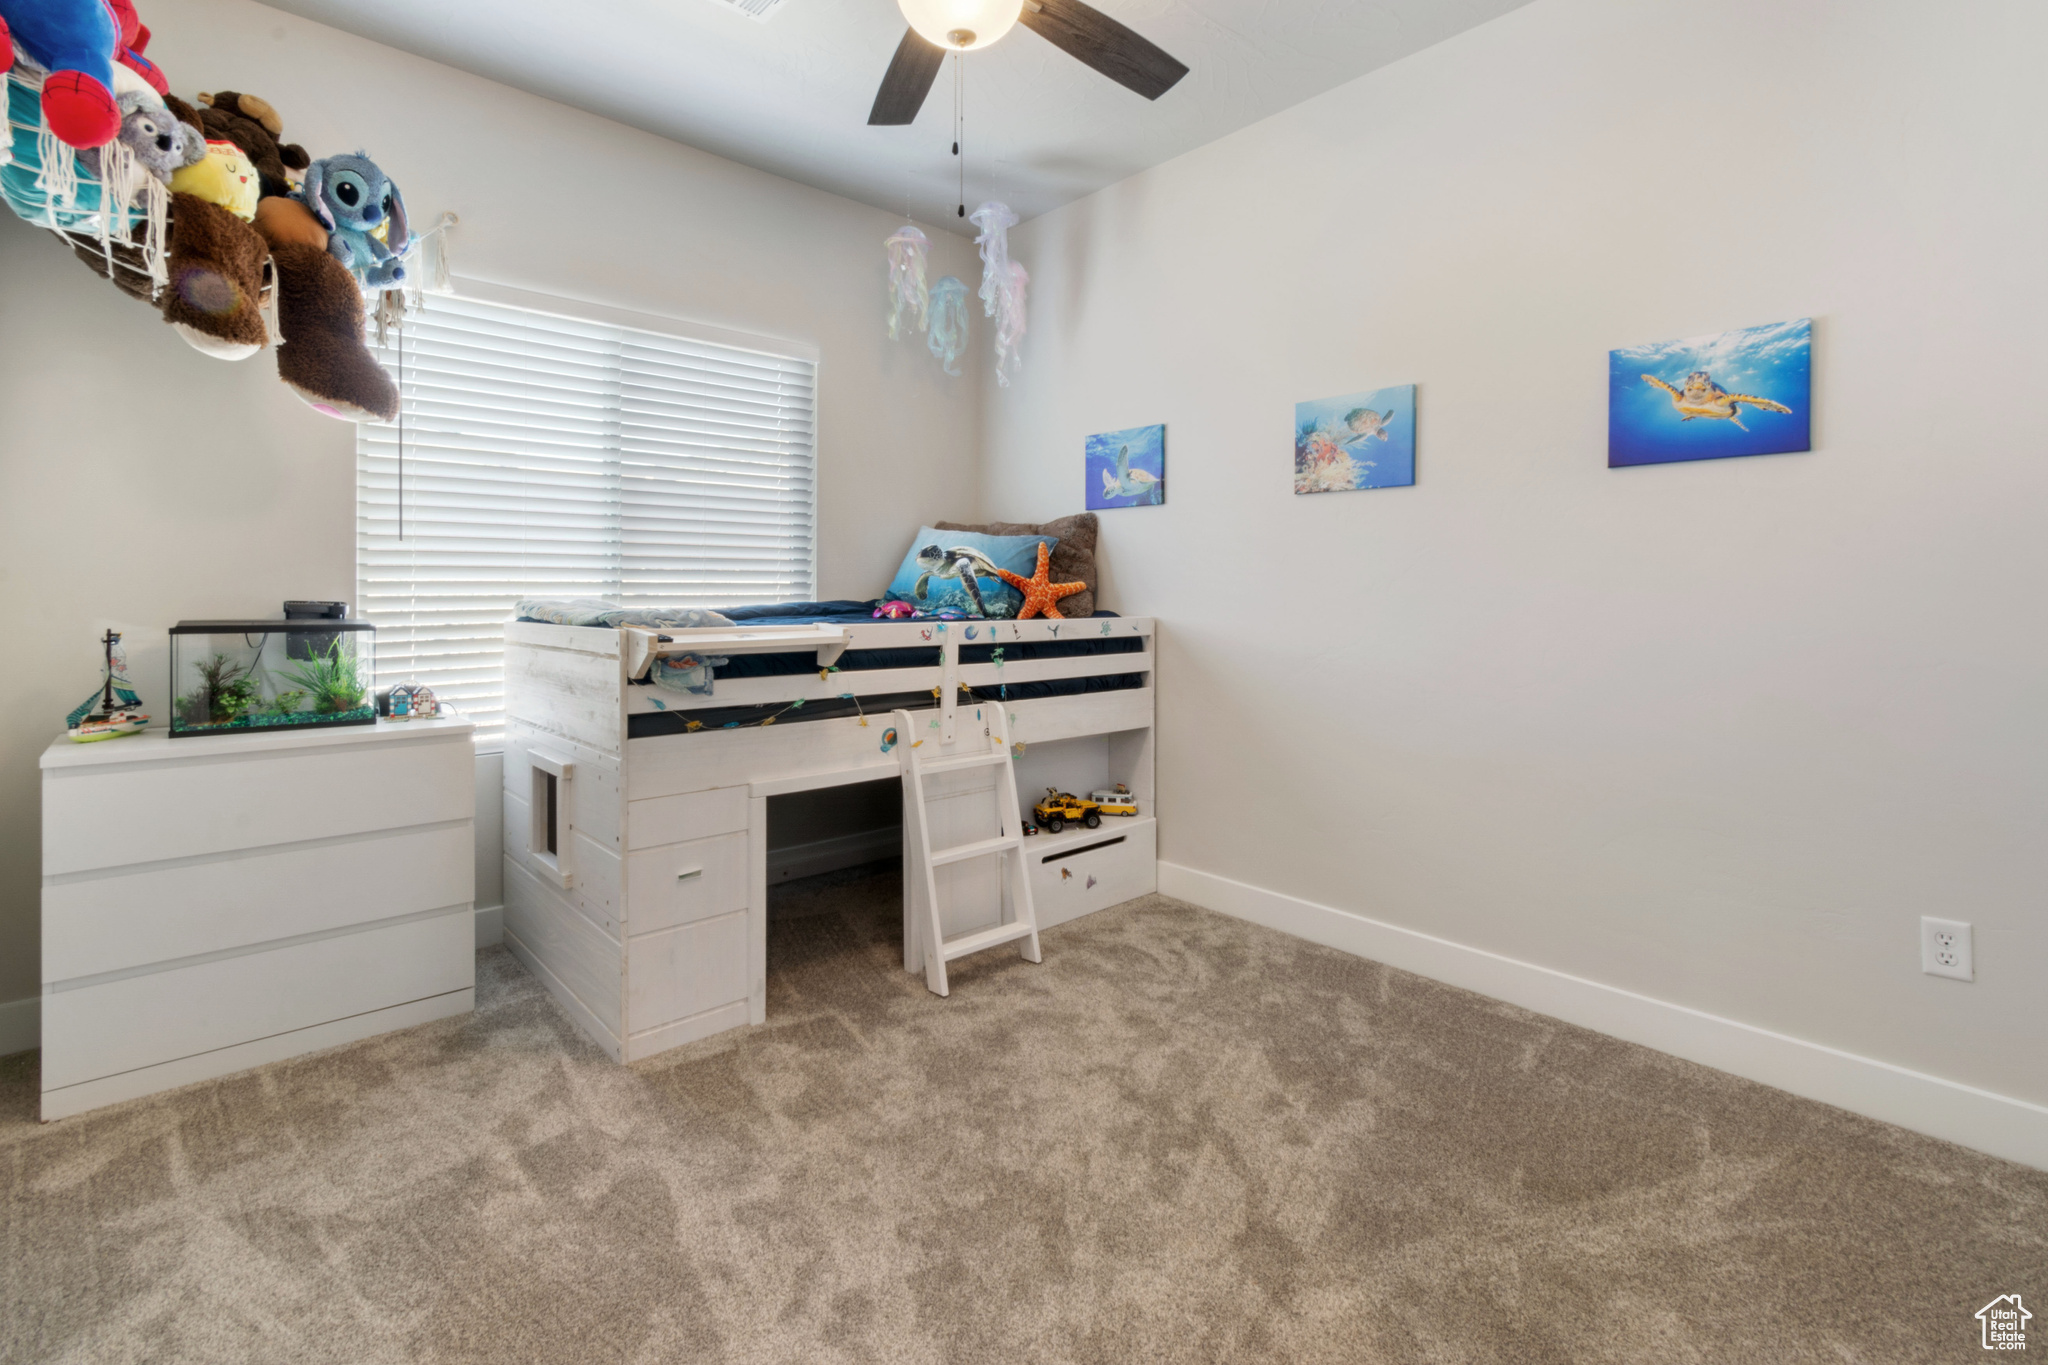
x=1041 y=594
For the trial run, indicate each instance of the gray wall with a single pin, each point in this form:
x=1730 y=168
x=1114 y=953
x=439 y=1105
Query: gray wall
x=1716 y=733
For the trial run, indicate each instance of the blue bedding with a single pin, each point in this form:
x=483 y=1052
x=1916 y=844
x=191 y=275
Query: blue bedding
x=844 y=612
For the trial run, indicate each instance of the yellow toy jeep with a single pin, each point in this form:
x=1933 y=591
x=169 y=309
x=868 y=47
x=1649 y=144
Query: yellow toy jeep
x=1059 y=807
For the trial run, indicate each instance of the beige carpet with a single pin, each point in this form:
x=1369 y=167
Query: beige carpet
x=1182 y=1138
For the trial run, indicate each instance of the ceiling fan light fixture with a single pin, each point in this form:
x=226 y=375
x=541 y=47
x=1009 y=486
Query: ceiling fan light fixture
x=961 y=25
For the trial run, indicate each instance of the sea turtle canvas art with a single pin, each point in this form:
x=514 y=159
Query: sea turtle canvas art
x=1747 y=392
x=1125 y=468
x=1360 y=440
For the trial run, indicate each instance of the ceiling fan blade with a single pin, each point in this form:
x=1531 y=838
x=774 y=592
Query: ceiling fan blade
x=907 y=81
x=1117 y=52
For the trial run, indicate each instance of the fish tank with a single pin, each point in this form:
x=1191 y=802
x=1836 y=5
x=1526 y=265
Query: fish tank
x=236 y=676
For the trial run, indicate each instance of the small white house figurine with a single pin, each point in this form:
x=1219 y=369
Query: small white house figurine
x=414 y=701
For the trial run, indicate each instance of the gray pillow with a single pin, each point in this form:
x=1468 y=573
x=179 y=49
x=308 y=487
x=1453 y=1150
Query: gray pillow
x=1073 y=559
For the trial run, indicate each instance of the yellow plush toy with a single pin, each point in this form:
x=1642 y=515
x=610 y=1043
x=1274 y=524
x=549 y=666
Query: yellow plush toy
x=225 y=177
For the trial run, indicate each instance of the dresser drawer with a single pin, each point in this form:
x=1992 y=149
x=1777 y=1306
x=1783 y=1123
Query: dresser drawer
x=138 y=1021
x=681 y=883
x=692 y=815
x=112 y=922
x=117 y=815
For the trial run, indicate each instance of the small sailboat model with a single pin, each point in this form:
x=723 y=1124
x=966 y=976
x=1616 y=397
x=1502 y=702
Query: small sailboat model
x=113 y=711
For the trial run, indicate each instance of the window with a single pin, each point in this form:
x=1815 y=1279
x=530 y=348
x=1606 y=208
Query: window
x=552 y=456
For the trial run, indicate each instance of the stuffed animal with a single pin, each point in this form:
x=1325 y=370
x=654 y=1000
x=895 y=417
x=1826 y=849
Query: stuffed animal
x=322 y=357
x=354 y=199
x=254 y=126
x=134 y=37
x=894 y=611
x=74 y=42
x=216 y=288
x=285 y=221
x=162 y=144
x=224 y=176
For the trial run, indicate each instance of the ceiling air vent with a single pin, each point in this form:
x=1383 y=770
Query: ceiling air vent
x=761 y=10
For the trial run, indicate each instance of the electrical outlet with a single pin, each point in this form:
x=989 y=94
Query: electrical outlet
x=1945 y=949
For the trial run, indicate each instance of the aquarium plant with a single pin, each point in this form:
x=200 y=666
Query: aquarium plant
x=330 y=679
x=286 y=702
x=225 y=693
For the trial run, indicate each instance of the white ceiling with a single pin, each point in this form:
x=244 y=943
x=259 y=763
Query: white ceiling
x=791 y=95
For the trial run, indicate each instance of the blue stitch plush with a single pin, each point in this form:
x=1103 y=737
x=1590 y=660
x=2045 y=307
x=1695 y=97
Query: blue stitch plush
x=363 y=212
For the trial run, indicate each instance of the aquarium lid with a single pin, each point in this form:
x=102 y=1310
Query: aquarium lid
x=271 y=627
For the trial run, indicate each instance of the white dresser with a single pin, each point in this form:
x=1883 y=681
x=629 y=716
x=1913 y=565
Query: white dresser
x=214 y=902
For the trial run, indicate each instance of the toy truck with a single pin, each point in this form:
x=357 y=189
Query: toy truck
x=1060 y=807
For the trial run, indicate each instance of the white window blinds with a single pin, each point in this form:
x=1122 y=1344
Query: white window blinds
x=545 y=456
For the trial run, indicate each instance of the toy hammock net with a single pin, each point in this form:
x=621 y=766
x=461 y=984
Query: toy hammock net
x=117 y=220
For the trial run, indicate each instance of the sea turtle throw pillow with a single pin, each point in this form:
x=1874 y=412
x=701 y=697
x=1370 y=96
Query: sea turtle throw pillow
x=954 y=573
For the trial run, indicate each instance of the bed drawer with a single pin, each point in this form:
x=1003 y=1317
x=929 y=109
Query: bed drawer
x=135 y=919
x=1093 y=871
x=684 y=971
x=220 y=804
x=682 y=883
x=139 y=1021
x=692 y=815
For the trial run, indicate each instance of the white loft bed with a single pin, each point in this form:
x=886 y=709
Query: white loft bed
x=647 y=920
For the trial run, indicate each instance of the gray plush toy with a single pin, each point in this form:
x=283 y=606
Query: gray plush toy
x=161 y=143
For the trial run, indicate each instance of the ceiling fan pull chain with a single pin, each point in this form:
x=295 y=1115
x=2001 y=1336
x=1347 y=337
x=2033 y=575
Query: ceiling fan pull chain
x=960 y=127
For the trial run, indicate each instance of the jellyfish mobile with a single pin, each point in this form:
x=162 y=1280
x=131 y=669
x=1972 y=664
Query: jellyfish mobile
x=948 y=338
x=1010 y=320
x=908 y=299
x=995 y=219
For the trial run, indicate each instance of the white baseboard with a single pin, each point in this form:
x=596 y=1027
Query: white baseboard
x=21 y=1025
x=490 y=925
x=2014 y=1129
x=830 y=855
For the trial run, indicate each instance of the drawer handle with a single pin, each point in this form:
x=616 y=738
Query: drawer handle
x=1085 y=848
x=693 y=872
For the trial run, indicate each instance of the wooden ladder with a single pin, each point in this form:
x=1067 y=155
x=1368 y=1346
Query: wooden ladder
x=924 y=934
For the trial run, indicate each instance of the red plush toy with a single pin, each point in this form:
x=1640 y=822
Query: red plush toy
x=134 y=39
x=75 y=42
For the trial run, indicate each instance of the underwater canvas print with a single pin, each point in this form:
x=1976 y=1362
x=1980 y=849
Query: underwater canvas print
x=1362 y=440
x=1126 y=468
x=1748 y=392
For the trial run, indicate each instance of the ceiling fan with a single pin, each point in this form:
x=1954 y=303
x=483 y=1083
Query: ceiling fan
x=941 y=26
